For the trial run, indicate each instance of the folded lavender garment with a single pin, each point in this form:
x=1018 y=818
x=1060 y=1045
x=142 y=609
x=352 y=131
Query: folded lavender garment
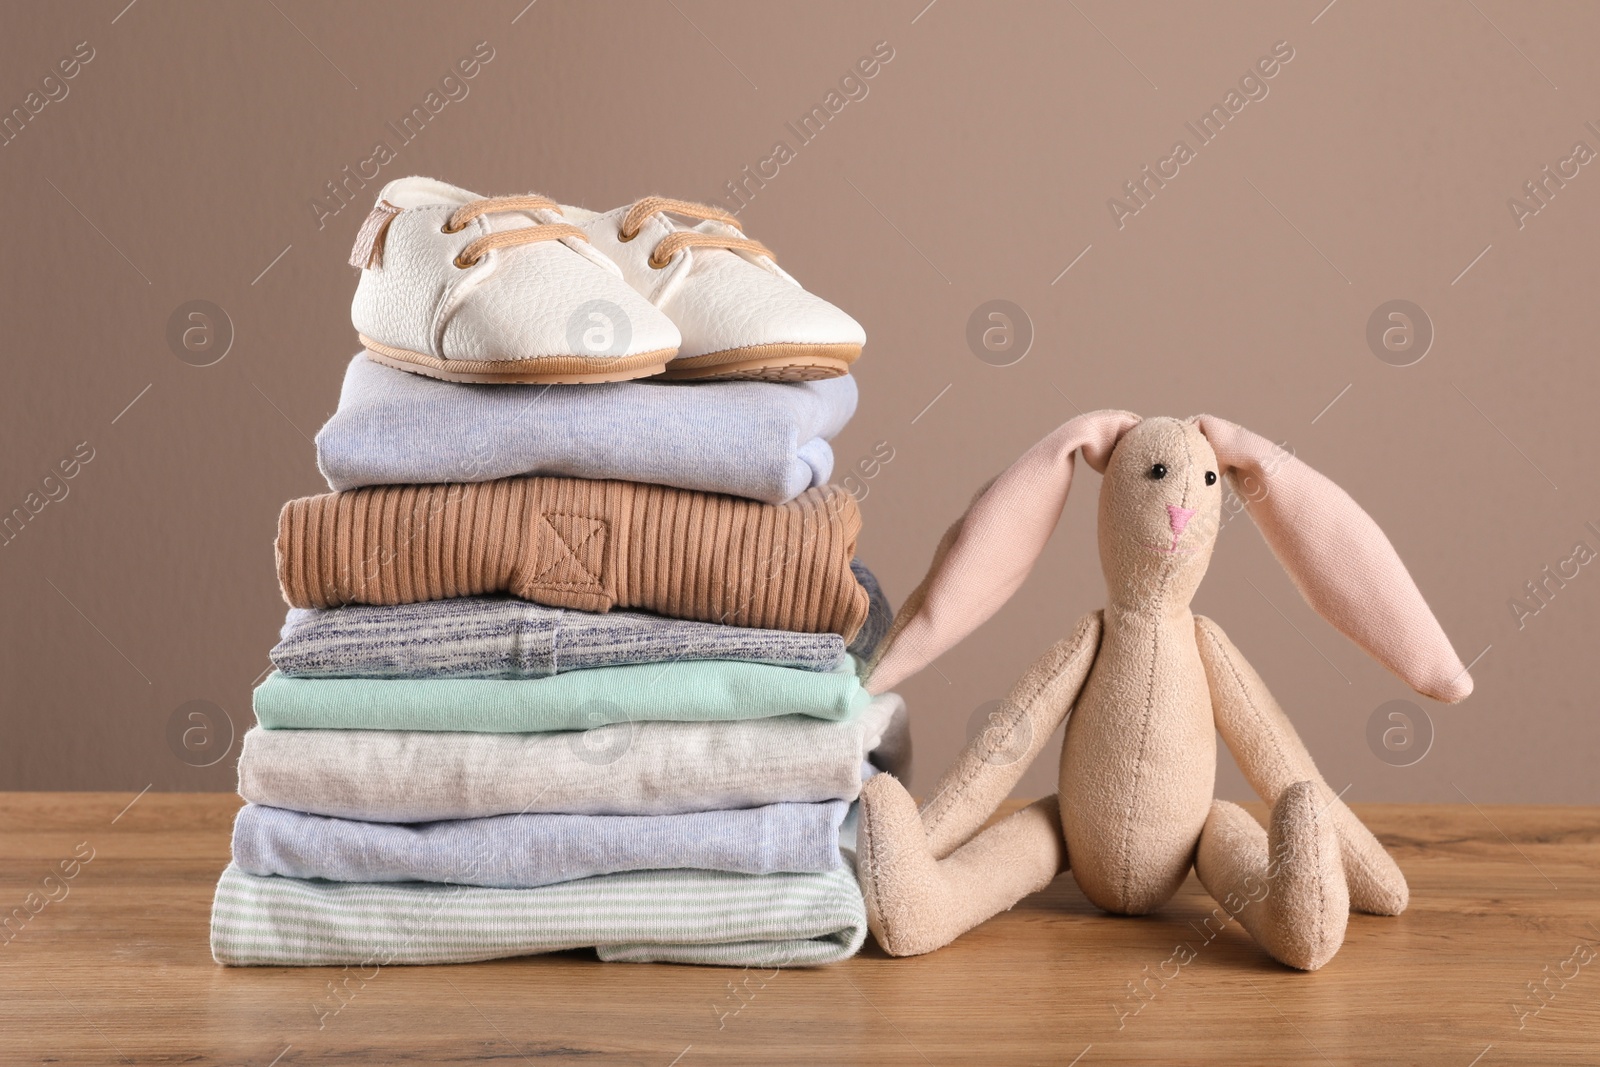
x=762 y=440
x=521 y=851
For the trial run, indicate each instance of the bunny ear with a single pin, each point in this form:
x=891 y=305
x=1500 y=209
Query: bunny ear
x=1340 y=561
x=987 y=554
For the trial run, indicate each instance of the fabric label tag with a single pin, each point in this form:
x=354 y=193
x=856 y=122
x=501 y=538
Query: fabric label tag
x=368 y=250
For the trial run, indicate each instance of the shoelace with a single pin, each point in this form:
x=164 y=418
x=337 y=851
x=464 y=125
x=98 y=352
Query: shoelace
x=675 y=242
x=527 y=235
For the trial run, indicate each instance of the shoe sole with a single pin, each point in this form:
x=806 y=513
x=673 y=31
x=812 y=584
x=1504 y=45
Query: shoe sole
x=766 y=363
x=546 y=370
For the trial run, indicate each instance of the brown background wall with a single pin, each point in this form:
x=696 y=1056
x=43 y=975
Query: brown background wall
x=182 y=162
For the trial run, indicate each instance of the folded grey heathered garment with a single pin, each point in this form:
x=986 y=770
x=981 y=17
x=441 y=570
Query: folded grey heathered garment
x=506 y=637
x=646 y=768
x=522 y=851
x=767 y=920
x=763 y=440
x=880 y=615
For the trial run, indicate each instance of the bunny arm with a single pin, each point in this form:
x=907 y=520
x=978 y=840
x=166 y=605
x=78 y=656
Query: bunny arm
x=913 y=603
x=1273 y=758
x=983 y=775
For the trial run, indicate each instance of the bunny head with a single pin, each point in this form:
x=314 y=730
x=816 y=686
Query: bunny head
x=1156 y=536
x=1160 y=508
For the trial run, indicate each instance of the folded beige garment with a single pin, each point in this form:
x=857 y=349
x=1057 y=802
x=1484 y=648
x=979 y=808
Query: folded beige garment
x=627 y=768
x=574 y=543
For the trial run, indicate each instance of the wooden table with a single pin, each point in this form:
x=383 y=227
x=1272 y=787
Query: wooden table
x=114 y=967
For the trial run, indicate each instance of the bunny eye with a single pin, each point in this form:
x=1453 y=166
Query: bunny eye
x=1211 y=477
x=1159 y=471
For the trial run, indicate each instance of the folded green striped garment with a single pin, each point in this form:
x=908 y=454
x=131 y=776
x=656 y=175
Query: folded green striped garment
x=681 y=916
x=684 y=691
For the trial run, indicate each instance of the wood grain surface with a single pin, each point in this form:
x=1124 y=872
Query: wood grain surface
x=1496 y=962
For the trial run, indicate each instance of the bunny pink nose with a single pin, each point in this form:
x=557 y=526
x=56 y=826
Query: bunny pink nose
x=1179 y=518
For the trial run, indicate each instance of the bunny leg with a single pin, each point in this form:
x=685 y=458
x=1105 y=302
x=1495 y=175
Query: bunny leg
x=983 y=775
x=916 y=903
x=1286 y=885
x=1273 y=758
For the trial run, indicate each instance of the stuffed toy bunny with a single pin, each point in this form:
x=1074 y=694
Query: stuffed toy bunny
x=1148 y=686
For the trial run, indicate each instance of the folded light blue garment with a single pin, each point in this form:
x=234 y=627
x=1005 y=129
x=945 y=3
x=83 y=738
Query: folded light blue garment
x=763 y=440
x=695 y=691
x=766 y=920
x=506 y=637
x=522 y=851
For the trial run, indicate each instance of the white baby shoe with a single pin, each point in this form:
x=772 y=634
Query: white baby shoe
x=502 y=289
x=739 y=314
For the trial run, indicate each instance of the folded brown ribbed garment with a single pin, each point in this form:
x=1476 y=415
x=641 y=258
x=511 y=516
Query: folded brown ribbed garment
x=573 y=543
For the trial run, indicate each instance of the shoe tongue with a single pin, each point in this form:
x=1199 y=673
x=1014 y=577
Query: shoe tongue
x=420 y=192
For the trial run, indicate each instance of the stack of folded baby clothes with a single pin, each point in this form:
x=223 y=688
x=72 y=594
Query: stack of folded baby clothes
x=571 y=662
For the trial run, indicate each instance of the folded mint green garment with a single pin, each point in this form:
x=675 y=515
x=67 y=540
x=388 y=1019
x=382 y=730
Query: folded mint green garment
x=685 y=691
x=766 y=920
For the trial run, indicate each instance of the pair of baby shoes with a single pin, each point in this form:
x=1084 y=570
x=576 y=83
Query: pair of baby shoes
x=521 y=289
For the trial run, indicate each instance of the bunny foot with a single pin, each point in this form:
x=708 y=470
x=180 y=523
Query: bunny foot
x=915 y=903
x=1286 y=885
x=1308 y=902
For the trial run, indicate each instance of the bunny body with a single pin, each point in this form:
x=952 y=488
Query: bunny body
x=1131 y=825
x=1148 y=686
